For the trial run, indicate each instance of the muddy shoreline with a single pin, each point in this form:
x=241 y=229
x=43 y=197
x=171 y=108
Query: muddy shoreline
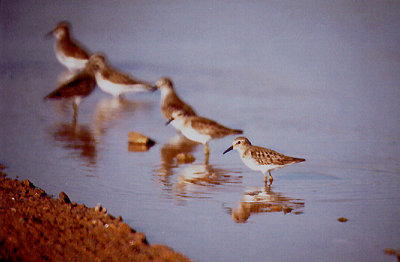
x=37 y=227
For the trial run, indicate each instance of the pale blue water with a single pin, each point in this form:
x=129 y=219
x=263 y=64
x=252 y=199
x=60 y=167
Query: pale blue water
x=308 y=79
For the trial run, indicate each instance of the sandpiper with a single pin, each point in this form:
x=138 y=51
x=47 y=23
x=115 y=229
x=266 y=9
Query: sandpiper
x=68 y=52
x=170 y=102
x=76 y=88
x=113 y=82
x=201 y=129
x=261 y=158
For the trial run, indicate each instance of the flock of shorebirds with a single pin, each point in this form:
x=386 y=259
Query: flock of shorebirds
x=91 y=70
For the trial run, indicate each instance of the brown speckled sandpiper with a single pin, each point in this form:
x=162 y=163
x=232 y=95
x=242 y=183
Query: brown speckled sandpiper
x=261 y=158
x=201 y=129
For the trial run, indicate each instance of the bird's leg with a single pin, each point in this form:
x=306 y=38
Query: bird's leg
x=271 y=179
x=75 y=107
x=206 y=150
x=206 y=158
x=206 y=153
x=266 y=179
x=267 y=188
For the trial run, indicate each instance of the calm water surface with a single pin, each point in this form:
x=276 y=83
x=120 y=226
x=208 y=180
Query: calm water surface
x=308 y=79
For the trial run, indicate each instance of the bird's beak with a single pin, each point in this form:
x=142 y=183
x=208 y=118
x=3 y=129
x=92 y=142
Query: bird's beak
x=169 y=121
x=229 y=149
x=153 y=88
x=49 y=34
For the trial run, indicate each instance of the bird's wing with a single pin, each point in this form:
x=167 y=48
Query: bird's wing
x=265 y=156
x=72 y=49
x=80 y=85
x=207 y=126
x=121 y=78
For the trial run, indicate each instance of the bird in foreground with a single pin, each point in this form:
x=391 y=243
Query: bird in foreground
x=78 y=87
x=261 y=158
x=170 y=102
x=68 y=52
x=113 y=82
x=201 y=129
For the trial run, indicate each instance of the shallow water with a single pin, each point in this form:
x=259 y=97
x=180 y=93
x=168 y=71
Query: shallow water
x=307 y=79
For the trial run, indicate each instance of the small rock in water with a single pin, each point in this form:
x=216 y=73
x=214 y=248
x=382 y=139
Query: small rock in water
x=184 y=158
x=138 y=138
x=137 y=147
x=63 y=197
x=342 y=219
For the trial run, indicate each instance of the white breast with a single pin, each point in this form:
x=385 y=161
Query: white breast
x=254 y=165
x=164 y=93
x=70 y=62
x=117 y=89
x=195 y=136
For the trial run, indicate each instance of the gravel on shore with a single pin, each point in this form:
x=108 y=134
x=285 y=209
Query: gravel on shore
x=37 y=227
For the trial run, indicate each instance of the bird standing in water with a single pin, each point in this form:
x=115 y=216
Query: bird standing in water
x=201 y=129
x=261 y=158
x=78 y=87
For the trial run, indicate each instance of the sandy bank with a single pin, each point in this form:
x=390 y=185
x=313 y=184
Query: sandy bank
x=36 y=227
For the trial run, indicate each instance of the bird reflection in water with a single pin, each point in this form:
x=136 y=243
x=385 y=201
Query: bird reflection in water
x=169 y=151
x=108 y=111
x=191 y=180
x=73 y=136
x=199 y=180
x=264 y=200
x=76 y=138
x=111 y=110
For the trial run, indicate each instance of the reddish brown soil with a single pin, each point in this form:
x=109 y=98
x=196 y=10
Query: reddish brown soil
x=36 y=227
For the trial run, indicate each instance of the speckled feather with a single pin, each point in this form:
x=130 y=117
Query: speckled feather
x=265 y=156
x=260 y=158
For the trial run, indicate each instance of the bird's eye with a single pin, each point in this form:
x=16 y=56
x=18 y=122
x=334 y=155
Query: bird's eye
x=238 y=142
